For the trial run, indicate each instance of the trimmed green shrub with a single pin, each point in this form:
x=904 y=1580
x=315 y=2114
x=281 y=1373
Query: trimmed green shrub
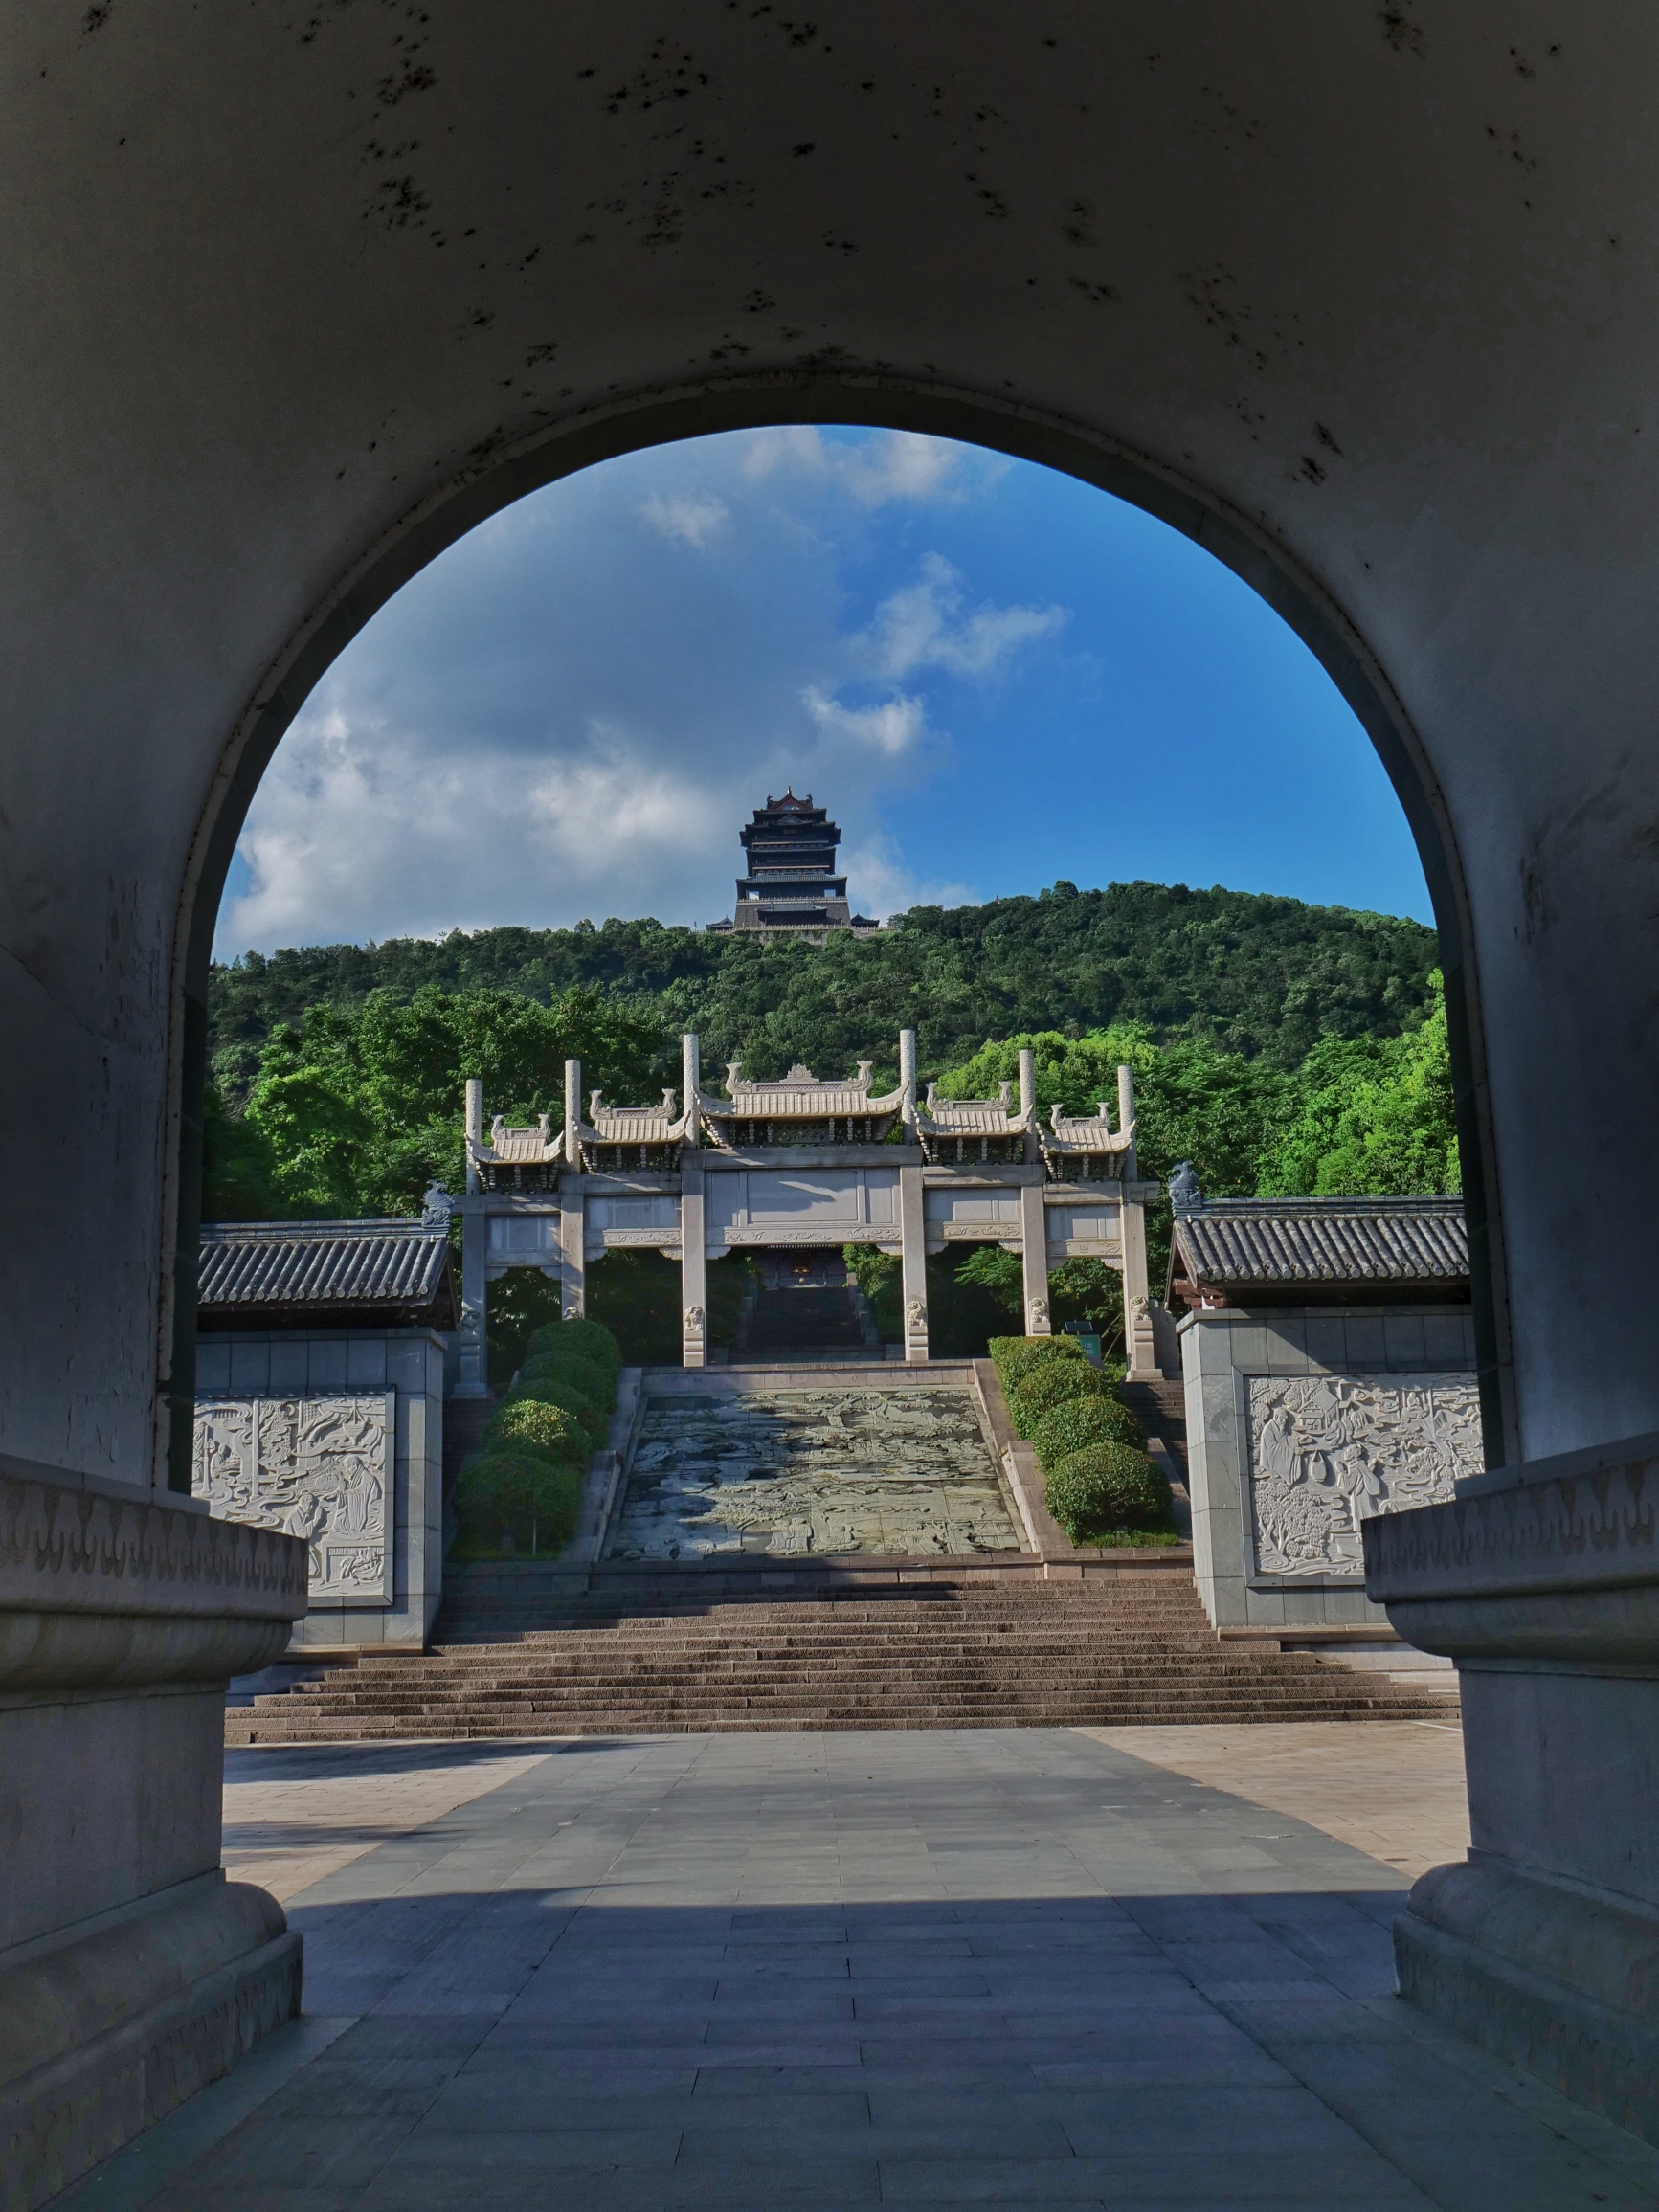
x=591 y=1337
x=1078 y=1422
x=582 y=1374
x=517 y=1495
x=529 y=1425
x=1051 y=1386
x=1106 y=1487
x=1017 y=1356
x=553 y=1390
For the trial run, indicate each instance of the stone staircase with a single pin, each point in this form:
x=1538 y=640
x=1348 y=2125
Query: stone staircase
x=659 y=1656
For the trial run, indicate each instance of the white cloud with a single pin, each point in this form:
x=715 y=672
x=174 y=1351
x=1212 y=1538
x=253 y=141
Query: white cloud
x=566 y=717
x=880 y=883
x=694 y=521
x=894 y=726
x=923 y=626
x=900 y=465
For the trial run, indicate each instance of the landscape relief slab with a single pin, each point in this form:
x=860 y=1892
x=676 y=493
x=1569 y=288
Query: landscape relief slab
x=315 y=1467
x=790 y=1473
x=1327 y=1452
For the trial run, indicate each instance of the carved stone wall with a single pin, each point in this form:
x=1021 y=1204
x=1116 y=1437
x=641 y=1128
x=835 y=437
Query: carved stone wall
x=1327 y=1452
x=320 y=1468
x=1303 y=1424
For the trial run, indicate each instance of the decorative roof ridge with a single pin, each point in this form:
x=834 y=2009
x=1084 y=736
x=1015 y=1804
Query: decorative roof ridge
x=293 y=1232
x=1301 y=1207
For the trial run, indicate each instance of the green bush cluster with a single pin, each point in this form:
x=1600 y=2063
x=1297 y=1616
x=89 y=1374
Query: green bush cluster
x=1077 y=1422
x=589 y=1340
x=1101 y=1487
x=520 y=1495
x=529 y=1425
x=1018 y=1356
x=1057 y=1384
x=525 y=1493
x=1107 y=1489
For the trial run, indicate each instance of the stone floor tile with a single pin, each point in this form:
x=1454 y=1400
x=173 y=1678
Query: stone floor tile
x=267 y=2151
x=1000 y=1967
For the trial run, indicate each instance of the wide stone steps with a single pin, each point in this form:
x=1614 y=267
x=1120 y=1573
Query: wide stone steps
x=1134 y=1649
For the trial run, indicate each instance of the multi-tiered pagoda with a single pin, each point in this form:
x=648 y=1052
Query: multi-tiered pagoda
x=790 y=881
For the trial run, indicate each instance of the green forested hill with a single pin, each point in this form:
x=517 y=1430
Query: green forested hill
x=1265 y=977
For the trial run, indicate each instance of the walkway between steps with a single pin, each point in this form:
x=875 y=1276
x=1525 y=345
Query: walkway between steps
x=950 y=1967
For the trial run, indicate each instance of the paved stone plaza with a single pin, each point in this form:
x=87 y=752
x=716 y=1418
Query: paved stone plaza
x=794 y=1472
x=1024 y=1968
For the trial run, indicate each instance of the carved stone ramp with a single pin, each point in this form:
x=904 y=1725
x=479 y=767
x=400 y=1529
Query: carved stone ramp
x=691 y=1651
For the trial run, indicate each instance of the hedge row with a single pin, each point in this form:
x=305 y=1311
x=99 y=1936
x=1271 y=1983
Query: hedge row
x=525 y=1495
x=1101 y=1487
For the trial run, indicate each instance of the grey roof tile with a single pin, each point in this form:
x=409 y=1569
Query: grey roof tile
x=376 y=1262
x=1324 y=1240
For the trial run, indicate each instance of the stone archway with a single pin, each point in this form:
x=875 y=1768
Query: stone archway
x=1362 y=295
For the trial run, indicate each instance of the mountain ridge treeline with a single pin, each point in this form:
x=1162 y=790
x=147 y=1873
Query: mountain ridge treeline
x=1254 y=974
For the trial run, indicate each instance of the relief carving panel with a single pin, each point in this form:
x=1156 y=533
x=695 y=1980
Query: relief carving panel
x=1328 y=1452
x=318 y=1468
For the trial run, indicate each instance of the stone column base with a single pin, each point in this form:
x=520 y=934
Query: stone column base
x=1556 y=1979
x=100 y=2037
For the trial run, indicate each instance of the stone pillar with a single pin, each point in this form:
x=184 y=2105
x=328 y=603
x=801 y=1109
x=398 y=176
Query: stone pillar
x=1034 y=1255
x=693 y=1259
x=1028 y=1101
x=131 y=1972
x=691 y=1085
x=914 y=1264
x=472 y=1350
x=1541 y=1582
x=1139 y=1350
x=572 y=1251
x=475 y=1132
x=573 y=1112
x=1139 y=1344
x=1126 y=1120
x=907 y=1077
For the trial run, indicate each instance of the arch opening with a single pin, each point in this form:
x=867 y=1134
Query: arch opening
x=499 y=480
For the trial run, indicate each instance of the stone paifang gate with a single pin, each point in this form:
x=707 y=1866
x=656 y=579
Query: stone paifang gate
x=803 y=1164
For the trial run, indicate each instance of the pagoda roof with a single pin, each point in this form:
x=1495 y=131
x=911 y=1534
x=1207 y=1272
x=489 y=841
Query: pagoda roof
x=517 y=1148
x=1091 y=1133
x=971 y=1117
x=798 y=1096
x=649 y=1124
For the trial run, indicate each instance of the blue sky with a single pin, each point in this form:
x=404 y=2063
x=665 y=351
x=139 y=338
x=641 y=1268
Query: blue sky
x=992 y=676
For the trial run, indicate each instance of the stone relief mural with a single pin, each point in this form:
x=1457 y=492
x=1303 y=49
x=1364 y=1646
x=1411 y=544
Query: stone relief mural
x=315 y=1467
x=797 y=1472
x=1329 y=1451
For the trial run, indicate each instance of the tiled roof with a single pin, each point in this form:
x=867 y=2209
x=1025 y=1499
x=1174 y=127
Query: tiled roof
x=1324 y=1240
x=311 y=1264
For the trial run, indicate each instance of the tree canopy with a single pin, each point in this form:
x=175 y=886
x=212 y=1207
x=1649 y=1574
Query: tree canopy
x=1265 y=978
x=1280 y=1048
